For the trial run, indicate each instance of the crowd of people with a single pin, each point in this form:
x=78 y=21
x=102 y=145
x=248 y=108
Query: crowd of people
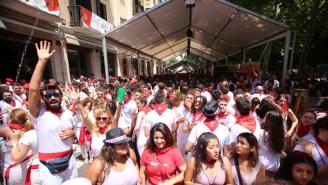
x=159 y=131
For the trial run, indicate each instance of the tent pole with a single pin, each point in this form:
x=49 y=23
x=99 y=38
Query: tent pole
x=287 y=44
x=104 y=47
x=293 y=50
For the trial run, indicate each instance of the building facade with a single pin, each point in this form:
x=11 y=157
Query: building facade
x=76 y=29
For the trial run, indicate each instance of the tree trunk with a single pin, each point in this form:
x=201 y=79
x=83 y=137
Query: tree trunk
x=308 y=38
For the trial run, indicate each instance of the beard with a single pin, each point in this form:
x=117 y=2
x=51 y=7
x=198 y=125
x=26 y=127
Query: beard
x=53 y=105
x=8 y=100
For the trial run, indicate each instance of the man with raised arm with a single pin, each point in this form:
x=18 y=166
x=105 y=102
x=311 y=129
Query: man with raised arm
x=54 y=126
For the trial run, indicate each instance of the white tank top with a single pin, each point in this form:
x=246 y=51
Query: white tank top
x=97 y=143
x=129 y=176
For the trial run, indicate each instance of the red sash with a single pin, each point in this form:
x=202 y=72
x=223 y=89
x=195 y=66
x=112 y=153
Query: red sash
x=49 y=156
x=7 y=172
x=81 y=140
x=247 y=122
x=322 y=144
x=28 y=173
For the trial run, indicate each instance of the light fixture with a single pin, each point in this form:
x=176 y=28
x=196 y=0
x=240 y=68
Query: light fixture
x=190 y=3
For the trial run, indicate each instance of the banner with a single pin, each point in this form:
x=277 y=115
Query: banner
x=49 y=6
x=93 y=21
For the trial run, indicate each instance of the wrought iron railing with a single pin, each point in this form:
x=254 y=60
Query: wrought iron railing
x=75 y=15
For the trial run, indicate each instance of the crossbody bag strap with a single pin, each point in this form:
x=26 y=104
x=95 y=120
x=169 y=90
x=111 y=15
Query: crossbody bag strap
x=238 y=170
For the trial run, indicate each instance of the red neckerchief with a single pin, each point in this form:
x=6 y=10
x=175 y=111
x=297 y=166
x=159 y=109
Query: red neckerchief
x=16 y=126
x=198 y=118
x=247 y=122
x=211 y=162
x=127 y=101
x=146 y=109
x=58 y=113
x=322 y=144
x=205 y=89
x=222 y=115
x=13 y=103
x=302 y=130
x=160 y=108
x=102 y=130
x=211 y=124
x=185 y=106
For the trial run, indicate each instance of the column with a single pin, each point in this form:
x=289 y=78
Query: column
x=145 y=68
x=96 y=64
x=64 y=59
x=56 y=67
x=154 y=67
x=139 y=65
x=118 y=65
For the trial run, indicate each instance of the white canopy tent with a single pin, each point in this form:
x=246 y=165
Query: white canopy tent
x=212 y=29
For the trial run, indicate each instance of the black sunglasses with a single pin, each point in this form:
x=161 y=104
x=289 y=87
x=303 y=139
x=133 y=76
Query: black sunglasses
x=56 y=95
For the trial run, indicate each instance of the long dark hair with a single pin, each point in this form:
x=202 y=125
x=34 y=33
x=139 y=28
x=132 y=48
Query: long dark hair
x=203 y=100
x=107 y=154
x=274 y=126
x=253 y=157
x=200 y=151
x=285 y=170
x=160 y=127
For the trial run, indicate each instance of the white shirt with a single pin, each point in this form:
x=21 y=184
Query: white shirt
x=6 y=108
x=318 y=154
x=207 y=95
x=128 y=111
x=48 y=126
x=269 y=159
x=168 y=117
x=222 y=132
x=97 y=143
x=237 y=129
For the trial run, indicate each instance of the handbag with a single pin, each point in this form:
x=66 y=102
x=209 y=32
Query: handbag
x=238 y=170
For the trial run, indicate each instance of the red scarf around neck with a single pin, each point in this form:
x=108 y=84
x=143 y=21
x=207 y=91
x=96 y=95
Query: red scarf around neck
x=322 y=144
x=13 y=103
x=16 y=126
x=302 y=130
x=197 y=117
x=211 y=124
x=247 y=122
x=102 y=130
x=160 y=108
x=58 y=112
x=222 y=114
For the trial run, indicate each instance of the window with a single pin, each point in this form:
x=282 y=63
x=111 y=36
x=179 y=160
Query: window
x=102 y=11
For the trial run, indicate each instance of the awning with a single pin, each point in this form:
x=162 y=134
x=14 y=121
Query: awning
x=219 y=29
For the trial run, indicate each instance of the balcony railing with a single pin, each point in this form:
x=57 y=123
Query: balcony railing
x=82 y=17
x=75 y=16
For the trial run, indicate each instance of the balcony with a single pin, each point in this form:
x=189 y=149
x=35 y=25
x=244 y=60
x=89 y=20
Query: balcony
x=86 y=22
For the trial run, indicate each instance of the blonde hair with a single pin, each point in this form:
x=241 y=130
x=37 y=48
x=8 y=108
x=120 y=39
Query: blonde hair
x=20 y=116
x=98 y=112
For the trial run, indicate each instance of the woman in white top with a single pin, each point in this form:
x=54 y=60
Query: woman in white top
x=104 y=122
x=271 y=142
x=246 y=166
x=116 y=163
x=24 y=152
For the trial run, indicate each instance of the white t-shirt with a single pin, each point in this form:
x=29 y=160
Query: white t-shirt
x=269 y=159
x=168 y=117
x=222 y=132
x=128 y=111
x=6 y=108
x=48 y=126
x=237 y=129
x=30 y=139
x=228 y=121
x=207 y=95
x=320 y=157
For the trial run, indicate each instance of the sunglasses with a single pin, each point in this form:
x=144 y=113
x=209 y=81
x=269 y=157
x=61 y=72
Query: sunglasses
x=56 y=95
x=102 y=118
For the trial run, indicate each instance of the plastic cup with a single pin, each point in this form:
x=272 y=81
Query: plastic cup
x=120 y=94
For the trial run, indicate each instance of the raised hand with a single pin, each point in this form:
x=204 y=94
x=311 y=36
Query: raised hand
x=72 y=93
x=43 y=50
